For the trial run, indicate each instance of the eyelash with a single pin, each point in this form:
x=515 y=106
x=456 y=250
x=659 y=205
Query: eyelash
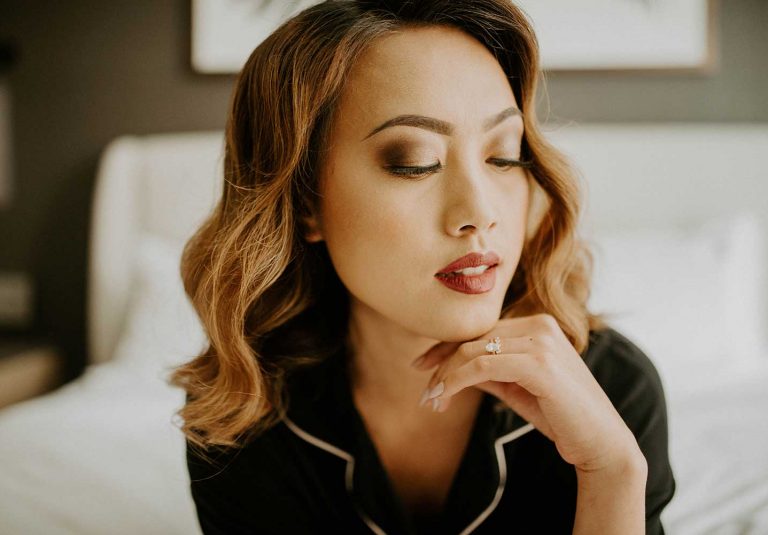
x=419 y=171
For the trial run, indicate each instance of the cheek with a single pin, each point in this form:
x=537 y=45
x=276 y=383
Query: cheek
x=368 y=233
x=516 y=203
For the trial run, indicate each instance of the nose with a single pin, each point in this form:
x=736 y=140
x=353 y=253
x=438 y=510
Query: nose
x=469 y=207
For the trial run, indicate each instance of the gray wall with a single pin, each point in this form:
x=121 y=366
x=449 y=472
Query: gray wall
x=90 y=71
x=736 y=91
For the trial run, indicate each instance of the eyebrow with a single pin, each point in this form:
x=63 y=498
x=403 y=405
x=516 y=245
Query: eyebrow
x=439 y=126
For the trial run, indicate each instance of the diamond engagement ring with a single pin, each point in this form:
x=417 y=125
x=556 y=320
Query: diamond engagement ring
x=494 y=346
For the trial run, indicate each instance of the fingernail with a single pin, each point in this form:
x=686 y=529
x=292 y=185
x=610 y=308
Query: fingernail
x=435 y=404
x=423 y=400
x=437 y=390
x=418 y=361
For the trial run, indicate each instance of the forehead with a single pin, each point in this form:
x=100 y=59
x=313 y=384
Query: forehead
x=439 y=71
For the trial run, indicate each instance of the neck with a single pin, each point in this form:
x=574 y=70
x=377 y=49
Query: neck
x=383 y=381
x=381 y=353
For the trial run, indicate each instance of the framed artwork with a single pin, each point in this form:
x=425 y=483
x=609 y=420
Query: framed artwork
x=599 y=35
x=225 y=32
x=574 y=35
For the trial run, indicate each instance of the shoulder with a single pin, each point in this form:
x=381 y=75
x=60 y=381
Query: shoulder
x=262 y=454
x=624 y=371
x=609 y=346
x=253 y=488
x=629 y=378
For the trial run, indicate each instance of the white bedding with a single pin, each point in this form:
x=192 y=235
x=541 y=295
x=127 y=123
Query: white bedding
x=719 y=454
x=97 y=456
x=101 y=456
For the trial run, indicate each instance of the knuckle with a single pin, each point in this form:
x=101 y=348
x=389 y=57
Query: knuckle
x=548 y=321
x=546 y=340
x=483 y=363
x=546 y=360
x=464 y=351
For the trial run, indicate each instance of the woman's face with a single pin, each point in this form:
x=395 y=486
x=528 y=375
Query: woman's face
x=388 y=234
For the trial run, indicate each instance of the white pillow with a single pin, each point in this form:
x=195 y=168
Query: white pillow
x=690 y=297
x=162 y=328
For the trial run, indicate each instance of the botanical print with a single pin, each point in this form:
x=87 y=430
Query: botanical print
x=622 y=34
x=582 y=35
x=224 y=32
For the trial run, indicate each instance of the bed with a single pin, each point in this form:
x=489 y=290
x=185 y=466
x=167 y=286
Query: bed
x=678 y=241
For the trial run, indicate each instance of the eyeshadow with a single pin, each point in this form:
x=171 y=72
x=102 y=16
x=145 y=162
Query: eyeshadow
x=395 y=152
x=404 y=151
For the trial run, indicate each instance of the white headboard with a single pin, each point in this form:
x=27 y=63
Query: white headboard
x=163 y=184
x=635 y=175
x=659 y=174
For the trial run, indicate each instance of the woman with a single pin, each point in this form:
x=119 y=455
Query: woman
x=395 y=297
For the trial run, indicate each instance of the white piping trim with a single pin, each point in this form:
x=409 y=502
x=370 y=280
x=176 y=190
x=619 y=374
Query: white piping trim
x=501 y=460
x=318 y=442
x=348 y=473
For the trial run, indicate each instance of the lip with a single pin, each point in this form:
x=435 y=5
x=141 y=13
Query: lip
x=489 y=258
x=470 y=284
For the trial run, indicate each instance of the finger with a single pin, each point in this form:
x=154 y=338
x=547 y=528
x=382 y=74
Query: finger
x=520 y=401
x=465 y=353
x=508 y=392
x=472 y=348
x=523 y=403
x=492 y=387
x=517 y=344
x=509 y=368
x=513 y=395
x=435 y=355
x=518 y=333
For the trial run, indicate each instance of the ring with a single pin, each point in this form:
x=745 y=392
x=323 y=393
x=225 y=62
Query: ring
x=493 y=346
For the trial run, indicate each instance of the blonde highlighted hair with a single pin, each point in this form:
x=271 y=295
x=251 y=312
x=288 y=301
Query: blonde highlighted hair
x=269 y=301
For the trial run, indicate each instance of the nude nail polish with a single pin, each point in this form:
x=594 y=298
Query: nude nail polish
x=439 y=388
x=424 y=397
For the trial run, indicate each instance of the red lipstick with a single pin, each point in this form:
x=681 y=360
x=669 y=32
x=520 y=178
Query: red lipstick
x=470 y=283
x=472 y=260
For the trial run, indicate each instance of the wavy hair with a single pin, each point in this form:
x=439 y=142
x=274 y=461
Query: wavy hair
x=253 y=279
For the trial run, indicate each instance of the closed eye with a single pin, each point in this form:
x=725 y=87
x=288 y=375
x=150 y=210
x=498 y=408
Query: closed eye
x=505 y=163
x=416 y=171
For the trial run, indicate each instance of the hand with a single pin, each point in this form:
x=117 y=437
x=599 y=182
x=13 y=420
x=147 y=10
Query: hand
x=540 y=376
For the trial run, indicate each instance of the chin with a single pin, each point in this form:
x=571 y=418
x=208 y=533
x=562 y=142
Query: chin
x=466 y=326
